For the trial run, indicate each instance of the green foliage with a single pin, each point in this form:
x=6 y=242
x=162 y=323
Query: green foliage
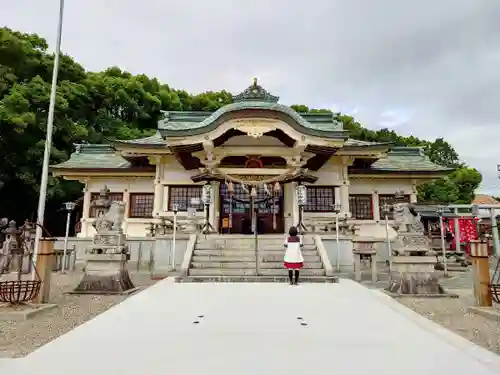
x=458 y=187
x=95 y=106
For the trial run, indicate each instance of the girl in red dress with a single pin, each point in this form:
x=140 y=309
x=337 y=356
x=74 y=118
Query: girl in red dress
x=293 y=260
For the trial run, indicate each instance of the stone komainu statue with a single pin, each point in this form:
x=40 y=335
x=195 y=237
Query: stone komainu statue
x=407 y=219
x=111 y=220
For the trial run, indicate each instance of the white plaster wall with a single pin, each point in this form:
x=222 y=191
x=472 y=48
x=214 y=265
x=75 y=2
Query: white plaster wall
x=132 y=185
x=330 y=173
x=382 y=186
x=173 y=173
x=132 y=227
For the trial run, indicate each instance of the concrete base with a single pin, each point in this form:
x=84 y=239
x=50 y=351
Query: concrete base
x=254 y=279
x=486 y=312
x=106 y=274
x=414 y=275
x=417 y=295
x=421 y=284
x=23 y=312
x=226 y=327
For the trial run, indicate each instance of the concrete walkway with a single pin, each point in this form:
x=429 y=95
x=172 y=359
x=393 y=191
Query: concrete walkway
x=258 y=329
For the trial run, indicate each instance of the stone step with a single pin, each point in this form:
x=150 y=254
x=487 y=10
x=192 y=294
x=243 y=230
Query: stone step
x=247 y=247
x=250 y=272
x=254 y=279
x=249 y=258
x=246 y=253
x=249 y=265
x=249 y=241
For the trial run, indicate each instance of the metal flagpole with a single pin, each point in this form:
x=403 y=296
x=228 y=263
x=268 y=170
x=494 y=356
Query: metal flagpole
x=48 y=139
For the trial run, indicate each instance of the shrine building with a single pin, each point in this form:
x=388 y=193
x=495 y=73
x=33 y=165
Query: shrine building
x=254 y=148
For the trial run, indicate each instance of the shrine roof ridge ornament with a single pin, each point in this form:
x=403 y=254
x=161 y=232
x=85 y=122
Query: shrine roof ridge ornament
x=255 y=92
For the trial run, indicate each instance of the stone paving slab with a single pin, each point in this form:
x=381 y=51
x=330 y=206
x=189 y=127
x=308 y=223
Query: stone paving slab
x=258 y=329
x=23 y=312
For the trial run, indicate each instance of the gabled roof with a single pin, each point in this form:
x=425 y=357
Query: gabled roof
x=94 y=156
x=105 y=157
x=407 y=159
x=98 y=158
x=484 y=199
x=153 y=141
x=254 y=97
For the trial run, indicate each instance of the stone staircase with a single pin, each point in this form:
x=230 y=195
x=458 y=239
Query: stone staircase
x=231 y=258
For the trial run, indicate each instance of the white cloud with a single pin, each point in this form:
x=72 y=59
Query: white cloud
x=427 y=68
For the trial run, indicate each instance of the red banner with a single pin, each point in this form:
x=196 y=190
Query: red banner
x=468 y=230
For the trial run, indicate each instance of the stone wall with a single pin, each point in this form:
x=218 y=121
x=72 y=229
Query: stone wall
x=345 y=252
x=146 y=253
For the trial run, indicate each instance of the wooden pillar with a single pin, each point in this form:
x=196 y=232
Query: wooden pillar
x=158 y=189
x=344 y=199
x=456 y=228
x=413 y=195
x=481 y=273
x=126 y=200
x=86 y=210
x=376 y=206
x=295 y=205
x=44 y=263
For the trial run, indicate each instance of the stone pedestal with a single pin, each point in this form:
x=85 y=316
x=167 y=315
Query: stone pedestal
x=415 y=275
x=105 y=274
x=106 y=269
x=361 y=249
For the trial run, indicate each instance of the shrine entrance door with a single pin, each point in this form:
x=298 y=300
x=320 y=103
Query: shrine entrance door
x=269 y=211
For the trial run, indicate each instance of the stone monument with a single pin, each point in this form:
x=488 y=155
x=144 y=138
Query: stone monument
x=106 y=260
x=413 y=260
x=12 y=254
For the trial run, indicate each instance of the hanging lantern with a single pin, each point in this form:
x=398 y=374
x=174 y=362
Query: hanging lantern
x=266 y=189
x=206 y=195
x=230 y=187
x=277 y=187
x=253 y=192
x=301 y=195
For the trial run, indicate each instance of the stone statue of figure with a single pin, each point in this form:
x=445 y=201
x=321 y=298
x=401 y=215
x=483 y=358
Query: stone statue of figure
x=11 y=249
x=406 y=219
x=112 y=219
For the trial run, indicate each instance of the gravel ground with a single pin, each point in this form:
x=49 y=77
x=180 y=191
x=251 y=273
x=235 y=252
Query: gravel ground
x=452 y=314
x=20 y=338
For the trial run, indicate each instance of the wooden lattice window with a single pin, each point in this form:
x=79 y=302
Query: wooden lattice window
x=183 y=197
x=320 y=199
x=361 y=206
x=113 y=197
x=141 y=205
x=389 y=200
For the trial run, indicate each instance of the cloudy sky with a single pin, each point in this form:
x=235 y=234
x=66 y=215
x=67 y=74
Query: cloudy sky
x=430 y=68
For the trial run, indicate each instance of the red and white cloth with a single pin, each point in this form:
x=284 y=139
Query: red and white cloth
x=467 y=229
x=293 y=254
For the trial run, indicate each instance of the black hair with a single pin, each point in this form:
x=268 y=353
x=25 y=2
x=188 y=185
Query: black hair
x=292 y=231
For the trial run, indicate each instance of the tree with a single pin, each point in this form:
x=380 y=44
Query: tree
x=95 y=106
x=442 y=153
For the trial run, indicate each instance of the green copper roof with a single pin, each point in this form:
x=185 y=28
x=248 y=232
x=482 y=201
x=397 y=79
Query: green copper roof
x=355 y=143
x=407 y=159
x=177 y=124
x=255 y=92
x=155 y=140
x=94 y=157
x=399 y=159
